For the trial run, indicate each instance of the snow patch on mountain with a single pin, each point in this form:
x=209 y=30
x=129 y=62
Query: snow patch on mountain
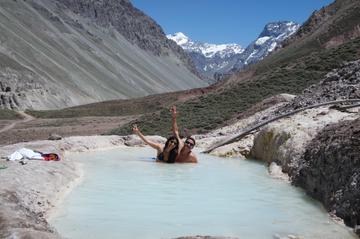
x=262 y=40
x=206 y=49
x=212 y=60
x=179 y=38
x=272 y=46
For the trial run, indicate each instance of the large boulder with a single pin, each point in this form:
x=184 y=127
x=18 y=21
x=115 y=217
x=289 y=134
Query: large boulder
x=255 y=115
x=330 y=171
x=285 y=140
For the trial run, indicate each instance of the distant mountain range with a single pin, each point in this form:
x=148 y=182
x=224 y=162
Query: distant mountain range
x=213 y=61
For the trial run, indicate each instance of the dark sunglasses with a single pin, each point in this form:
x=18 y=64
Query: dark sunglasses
x=189 y=143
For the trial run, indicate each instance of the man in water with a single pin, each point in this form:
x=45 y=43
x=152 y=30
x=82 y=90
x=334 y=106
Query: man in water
x=185 y=154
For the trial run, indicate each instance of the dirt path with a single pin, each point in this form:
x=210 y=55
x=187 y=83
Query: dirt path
x=26 y=118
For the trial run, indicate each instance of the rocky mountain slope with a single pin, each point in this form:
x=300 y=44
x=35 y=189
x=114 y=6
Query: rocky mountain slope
x=214 y=61
x=60 y=53
x=269 y=39
x=330 y=26
x=339 y=84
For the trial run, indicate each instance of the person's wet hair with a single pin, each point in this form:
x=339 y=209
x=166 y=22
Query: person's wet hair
x=174 y=151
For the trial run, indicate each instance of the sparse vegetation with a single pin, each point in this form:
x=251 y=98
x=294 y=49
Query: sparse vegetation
x=211 y=111
x=111 y=108
x=6 y=114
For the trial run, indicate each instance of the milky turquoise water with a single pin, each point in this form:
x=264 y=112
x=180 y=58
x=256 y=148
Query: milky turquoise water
x=125 y=194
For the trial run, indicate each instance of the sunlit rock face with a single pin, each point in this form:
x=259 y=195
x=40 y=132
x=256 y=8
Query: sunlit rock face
x=285 y=140
x=59 y=53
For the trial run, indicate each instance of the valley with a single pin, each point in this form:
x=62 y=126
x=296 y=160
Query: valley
x=86 y=72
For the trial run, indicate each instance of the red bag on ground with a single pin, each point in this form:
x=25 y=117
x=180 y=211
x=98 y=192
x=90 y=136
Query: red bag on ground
x=50 y=157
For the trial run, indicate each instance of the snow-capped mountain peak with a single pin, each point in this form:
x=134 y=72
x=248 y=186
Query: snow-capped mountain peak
x=179 y=37
x=212 y=60
x=207 y=49
x=270 y=38
x=222 y=50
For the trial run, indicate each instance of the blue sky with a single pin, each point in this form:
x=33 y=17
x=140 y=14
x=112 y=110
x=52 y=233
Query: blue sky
x=225 y=21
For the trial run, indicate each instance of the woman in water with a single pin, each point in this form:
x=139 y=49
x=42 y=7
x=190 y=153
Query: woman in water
x=166 y=153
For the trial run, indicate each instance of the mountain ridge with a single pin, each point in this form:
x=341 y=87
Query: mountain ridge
x=131 y=22
x=51 y=57
x=207 y=49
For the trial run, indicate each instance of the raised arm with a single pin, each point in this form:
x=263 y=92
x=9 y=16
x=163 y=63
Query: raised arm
x=156 y=146
x=175 y=128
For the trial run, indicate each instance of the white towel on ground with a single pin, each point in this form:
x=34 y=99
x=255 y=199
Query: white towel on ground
x=24 y=153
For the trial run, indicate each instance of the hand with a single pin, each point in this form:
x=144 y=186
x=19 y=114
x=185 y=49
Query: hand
x=169 y=148
x=173 y=111
x=135 y=129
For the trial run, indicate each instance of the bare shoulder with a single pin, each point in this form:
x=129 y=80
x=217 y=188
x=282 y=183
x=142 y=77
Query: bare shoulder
x=192 y=158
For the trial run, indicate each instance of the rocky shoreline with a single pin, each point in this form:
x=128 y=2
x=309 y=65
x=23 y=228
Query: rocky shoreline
x=30 y=192
x=307 y=148
x=336 y=152
x=319 y=148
